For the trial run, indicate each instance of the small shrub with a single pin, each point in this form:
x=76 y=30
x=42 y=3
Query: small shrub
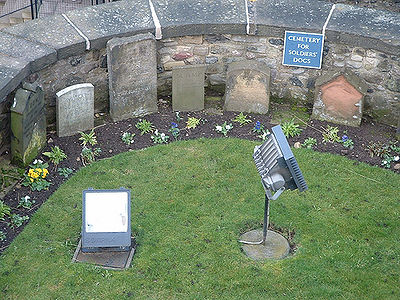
x=331 y=134
x=159 y=138
x=5 y=210
x=17 y=220
x=224 y=128
x=309 y=143
x=144 y=126
x=258 y=128
x=88 y=138
x=241 y=119
x=347 y=142
x=290 y=129
x=174 y=130
x=56 y=155
x=25 y=202
x=36 y=177
x=89 y=155
x=192 y=123
x=65 y=172
x=178 y=117
x=127 y=138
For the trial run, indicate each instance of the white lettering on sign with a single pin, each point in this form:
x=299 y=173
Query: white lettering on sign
x=304 y=39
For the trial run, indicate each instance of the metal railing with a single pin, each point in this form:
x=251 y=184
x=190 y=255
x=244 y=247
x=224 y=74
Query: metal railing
x=39 y=8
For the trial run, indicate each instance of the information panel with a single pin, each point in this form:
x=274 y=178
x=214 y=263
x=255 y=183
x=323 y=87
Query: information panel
x=303 y=49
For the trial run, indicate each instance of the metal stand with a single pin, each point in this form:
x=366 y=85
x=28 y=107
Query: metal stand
x=268 y=196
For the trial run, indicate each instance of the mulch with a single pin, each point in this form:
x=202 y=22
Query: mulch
x=109 y=140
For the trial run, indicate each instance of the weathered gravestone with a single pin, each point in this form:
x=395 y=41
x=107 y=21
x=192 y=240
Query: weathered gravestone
x=132 y=67
x=75 y=109
x=188 y=88
x=28 y=124
x=339 y=98
x=247 y=87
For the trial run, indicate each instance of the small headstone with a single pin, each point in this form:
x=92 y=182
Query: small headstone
x=247 y=87
x=75 y=109
x=132 y=67
x=28 y=124
x=188 y=88
x=339 y=98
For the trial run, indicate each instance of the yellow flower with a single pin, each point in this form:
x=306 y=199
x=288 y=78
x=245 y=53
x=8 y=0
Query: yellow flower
x=31 y=179
x=38 y=170
x=45 y=172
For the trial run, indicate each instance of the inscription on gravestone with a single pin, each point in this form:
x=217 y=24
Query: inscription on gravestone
x=132 y=66
x=247 y=87
x=188 y=88
x=75 y=109
x=28 y=124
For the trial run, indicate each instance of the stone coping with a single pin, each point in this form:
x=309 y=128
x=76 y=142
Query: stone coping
x=31 y=46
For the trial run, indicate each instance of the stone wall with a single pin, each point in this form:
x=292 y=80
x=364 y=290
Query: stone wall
x=199 y=31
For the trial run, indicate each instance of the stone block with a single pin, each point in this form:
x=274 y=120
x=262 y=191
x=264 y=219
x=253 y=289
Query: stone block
x=132 y=65
x=365 y=28
x=273 y=17
x=28 y=124
x=188 y=88
x=54 y=32
x=75 y=109
x=339 y=98
x=206 y=17
x=100 y=23
x=247 y=87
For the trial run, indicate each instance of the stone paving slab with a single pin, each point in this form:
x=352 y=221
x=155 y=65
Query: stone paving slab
x=100 y=23
x=273 y=17
x=196 y=17
x=364 y=27
x=54 y=32
x=38 y=55
x=12 y=72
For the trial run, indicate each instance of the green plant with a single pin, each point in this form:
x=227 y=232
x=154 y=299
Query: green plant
x=290 y=129
x=144 y=126
x=178 y=117
x=2 y=236
x=16 y=220
x=347 y=142
x=330 y=134
x=65 y=172
x=25 y=202
x=88 y=138
x=56 y=155
x=159 y=138
x=5 y=210
x=242 y=119
x=174 y=130
x=309 y=143
x=258 y=128
x=127 y=138
x=192 y=123
x=264 y=135
x=36 y=177
x=224 y=128
x=89 y=155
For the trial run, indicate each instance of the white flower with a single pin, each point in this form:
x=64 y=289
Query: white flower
x=218 y=128
x=35 y=161
x=228 y=127
x=156 y=132
x=162 y=135
x=27 y=198
x=396 y=158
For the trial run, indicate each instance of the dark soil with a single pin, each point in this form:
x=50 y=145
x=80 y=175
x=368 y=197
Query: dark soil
x=109 y=140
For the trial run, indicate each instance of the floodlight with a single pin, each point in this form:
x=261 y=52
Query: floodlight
x=106 y=220
x=278 y=169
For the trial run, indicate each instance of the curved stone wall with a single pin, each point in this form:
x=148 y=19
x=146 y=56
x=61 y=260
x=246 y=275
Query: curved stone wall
x=64 y=50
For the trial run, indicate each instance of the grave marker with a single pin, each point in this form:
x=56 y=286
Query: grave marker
x=75 y=109
x=247 y=87
x=28 y=124
x=339 y=98
x=132 y=66
x=188 y=88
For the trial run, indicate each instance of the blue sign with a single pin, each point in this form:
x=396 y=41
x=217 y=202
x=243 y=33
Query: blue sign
x=303 y=49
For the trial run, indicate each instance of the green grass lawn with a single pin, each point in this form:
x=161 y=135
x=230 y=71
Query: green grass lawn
x=190 y=202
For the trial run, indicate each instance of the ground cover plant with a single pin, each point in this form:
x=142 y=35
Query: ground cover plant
x=191 y=200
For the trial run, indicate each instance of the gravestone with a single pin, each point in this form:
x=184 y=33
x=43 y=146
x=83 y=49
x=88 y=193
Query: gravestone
x=247 y=87
x=188 y=88
x=339 y=98
x=398 y=130
x=132 y=67
x=75 y=109
x=28 y=124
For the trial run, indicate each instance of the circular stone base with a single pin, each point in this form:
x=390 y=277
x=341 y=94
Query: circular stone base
x=276 y=246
